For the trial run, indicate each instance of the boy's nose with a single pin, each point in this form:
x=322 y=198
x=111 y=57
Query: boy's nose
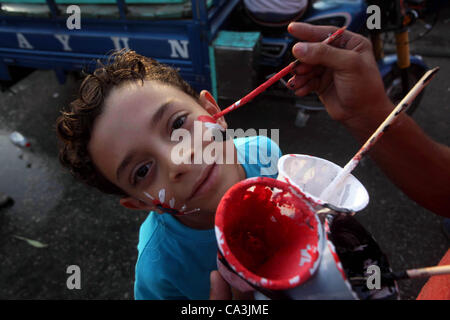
x=180 y=166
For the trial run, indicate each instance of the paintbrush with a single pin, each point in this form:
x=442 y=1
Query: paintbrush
x=409 y=274
x=263 y=87
x=402 y=106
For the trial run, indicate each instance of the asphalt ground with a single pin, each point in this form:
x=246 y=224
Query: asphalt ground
x=81 y=226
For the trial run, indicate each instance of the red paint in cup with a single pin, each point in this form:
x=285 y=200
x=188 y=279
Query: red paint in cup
x=268 y=233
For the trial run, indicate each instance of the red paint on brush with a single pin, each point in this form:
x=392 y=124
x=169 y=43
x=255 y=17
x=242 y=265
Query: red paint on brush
x=271 y=239
x=167 y=208
x=263 y=87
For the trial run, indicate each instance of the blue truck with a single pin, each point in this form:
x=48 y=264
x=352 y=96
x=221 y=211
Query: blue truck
x=181 y=33
x=35 y=34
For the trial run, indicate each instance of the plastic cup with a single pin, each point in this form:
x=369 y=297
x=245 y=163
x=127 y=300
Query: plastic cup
x=312 y=175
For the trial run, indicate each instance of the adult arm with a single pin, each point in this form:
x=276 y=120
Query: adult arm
x=347 y=80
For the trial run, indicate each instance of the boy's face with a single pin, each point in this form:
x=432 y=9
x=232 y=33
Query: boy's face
x=131 y=145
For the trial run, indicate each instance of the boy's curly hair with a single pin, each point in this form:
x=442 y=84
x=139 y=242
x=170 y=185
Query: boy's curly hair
x=74 y=126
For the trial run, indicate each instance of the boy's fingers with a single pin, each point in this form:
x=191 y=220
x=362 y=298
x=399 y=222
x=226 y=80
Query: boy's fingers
x=220 y=290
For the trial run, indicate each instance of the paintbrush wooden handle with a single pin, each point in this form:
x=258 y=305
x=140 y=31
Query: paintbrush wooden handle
x=417 y=273
x=407 y=274
x=402 y=106
x=428 y=272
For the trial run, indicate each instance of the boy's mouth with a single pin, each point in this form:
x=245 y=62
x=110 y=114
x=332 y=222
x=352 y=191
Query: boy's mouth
x=207 y=179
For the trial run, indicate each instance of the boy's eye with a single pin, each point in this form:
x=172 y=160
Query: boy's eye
x=178 y=123
x=142 y=172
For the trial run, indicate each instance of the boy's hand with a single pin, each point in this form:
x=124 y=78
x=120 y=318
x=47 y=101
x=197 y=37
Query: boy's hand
x=344 y=74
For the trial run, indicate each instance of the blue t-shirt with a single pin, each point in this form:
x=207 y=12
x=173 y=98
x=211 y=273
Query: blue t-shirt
x=175 y=261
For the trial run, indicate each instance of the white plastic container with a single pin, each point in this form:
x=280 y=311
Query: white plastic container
x=312 y=175
x=18 y=139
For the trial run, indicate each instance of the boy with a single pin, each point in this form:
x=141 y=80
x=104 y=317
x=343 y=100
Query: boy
x=117 y=136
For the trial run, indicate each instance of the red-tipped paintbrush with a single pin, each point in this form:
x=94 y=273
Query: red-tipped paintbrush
x=263 y=87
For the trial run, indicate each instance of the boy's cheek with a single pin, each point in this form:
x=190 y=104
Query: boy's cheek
x=226 y=179
x=230 y=176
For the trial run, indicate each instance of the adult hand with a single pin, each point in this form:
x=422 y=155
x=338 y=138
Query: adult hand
x=220 y=290
x=348 y=82
x=344 y=74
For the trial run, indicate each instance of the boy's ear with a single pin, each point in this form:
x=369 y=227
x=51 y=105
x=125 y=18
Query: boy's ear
x=208 y=102
x=134 y=204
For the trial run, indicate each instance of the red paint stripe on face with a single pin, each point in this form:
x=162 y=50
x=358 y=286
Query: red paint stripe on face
x=205 y=118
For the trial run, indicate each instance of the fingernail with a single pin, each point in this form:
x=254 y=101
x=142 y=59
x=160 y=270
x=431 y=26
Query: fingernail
x=290 y=26
x=290 y=83
x=300 y=49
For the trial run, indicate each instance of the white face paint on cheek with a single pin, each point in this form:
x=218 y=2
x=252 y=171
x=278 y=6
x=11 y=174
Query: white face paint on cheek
x=214 y=126
x=162 y=195
x=192 y=211
x=148 y=196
